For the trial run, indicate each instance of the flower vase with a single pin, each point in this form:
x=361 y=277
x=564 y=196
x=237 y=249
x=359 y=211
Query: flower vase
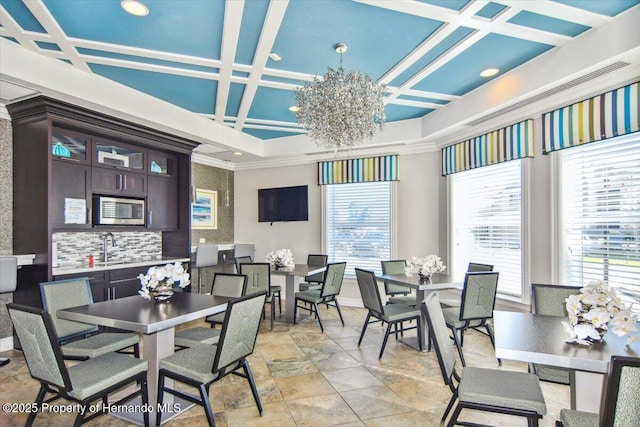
x=162 y=293
x=425 y=278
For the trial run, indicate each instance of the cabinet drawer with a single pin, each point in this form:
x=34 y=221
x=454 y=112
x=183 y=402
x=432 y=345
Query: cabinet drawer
x=123 y=274
x=94 y=276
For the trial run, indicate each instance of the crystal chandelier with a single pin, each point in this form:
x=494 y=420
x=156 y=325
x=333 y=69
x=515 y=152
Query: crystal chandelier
x=340 y=110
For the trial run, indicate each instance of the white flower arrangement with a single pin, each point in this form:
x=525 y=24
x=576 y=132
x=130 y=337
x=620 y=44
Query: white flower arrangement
x=280 y=258
x=593 y=310
x=428 y=265
x=166 y=275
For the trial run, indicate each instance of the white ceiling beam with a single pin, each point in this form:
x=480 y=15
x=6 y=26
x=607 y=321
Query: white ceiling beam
x=230 y=35
x=11 y=28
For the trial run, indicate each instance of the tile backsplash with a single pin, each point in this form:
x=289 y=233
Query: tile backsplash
x=73 y=249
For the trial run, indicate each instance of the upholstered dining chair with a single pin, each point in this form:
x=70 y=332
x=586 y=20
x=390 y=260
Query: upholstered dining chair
x=226 y=285
x=204 y=364
x=206 y=256
x=478 y=301
x=397 y=294
x=85 y=382
x=8 y=283
x=473 y=267
x=314 y=281
x=276 y=290
x=492 y=390
x=391 y=314
x=331 y=286
x=259 y=279
x=549 y=300
x=78 y=340
x=622 y=398
x=242 y=260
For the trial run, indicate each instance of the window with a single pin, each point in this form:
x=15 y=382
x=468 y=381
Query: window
x=601 y=214
x=486 y=220
x=358 y=224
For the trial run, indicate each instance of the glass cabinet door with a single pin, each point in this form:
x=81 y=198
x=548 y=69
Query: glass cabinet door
x=69 y=145
x=117 y=155
x=162 y=163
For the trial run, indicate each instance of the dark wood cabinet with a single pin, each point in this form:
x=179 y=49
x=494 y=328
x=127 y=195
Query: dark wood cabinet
x=162 y=164
x=70 y=196
x=69 y=145
x=118 y=155
x=99 y=281
x=117 y=182
x=162 y=200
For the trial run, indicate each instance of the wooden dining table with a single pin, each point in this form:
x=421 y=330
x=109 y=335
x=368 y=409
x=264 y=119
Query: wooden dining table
x=422 y=287
x=293 y=274
x=156 y=322
x=542 y=339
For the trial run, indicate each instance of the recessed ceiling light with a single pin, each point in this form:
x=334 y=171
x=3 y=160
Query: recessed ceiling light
x=294 y=108
x=274 y=56
x=134 y=7
x=489 y=72
x=237 y=153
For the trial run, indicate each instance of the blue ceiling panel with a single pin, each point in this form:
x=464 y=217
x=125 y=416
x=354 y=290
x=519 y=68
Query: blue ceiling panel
x=450 y=41
x=546 y=23
x=188 y=27
x=268 y=134
x=490 y=10
x=461 y=74
x=273 y=104
x=23 y=17
x=311 y=28
x=197 y=95
x=449 y=4
x=236 y=91
x=396 y=112
x=253 y=16
x=48 y=46
x=603 y=7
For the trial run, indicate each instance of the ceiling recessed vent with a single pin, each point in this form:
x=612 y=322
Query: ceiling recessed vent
x=362 y=147
x=561 y=88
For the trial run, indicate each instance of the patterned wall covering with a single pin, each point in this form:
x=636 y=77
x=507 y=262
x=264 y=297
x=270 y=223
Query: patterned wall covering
x=6 y=213
x=369 y=169
x=215 y=179
x=610 y=114
x=509 y=143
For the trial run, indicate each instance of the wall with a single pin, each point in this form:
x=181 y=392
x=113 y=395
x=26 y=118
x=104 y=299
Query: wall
x=215 y=179
x=6 y=221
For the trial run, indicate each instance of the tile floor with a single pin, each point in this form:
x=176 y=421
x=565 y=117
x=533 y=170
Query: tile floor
x=307 y=378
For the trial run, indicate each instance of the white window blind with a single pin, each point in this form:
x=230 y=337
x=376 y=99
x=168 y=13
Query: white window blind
x=358 y=224
x=486 y=218
x=601 y=215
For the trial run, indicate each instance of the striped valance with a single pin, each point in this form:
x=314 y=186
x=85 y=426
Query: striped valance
x=604 y=116
x=370 y=169
x=510 y=143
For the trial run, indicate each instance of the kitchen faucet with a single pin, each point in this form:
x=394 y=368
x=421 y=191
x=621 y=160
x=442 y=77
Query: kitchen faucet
x=104 y=245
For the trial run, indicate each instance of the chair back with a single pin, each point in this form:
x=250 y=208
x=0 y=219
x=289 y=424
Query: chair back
x=474 y=267
x=332 y=282
x=395 y=266
x=549 y=300
x=243 y=249
x=239 y=331
x=479 y=295
x=40 y=347
x=60 y=294
x=316 y=261
x=369 y=291
x=258 y=277
x=8 y=273
x=622 y=404
x=242 y=260
x=206 y=256
x=229 y=285
x=430 y=308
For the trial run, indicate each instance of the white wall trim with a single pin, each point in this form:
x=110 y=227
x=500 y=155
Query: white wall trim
x=6 y=343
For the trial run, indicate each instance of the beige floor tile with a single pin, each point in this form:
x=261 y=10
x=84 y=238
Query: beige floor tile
x=301 y=386
x=375 y=402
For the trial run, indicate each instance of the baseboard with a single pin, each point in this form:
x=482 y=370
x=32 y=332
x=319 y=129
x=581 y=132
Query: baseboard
x=6 y=343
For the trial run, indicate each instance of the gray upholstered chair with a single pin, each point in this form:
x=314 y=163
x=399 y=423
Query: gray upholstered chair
x=397 y=294
x=8 y=283
x=204 y=364
x=242 y=260
x=391 y=314
x=478 y=301
x=258 y=280
x=276 y=290
x=622 y=399
x=492 y=390
x=78 y=340
x=314 y=281
x=549 y=300
x=206 y=256
x=84 y=382
x=226 y=285
x=473 y=267
x=331 y=286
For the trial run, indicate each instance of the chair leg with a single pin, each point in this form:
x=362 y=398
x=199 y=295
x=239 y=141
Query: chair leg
x=279 y=302
x=252 y=384
x=295 y=310
x=493 y=343
x=339 y=312
x=315 y=307
x=420 y=343
x=145 y=400
x=38 y=404
x=364 y=328
x=207 y=405
x=136 y=351
x=160 y=398
x=384 y=341
x=459 y=347
x=454 y=417
x=273 y=311
x=449 y=406
x=78 y=420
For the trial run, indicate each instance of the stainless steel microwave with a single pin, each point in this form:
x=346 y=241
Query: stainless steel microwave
x=118 y=211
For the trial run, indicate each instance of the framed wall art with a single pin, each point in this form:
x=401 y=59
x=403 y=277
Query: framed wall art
x=204 y=210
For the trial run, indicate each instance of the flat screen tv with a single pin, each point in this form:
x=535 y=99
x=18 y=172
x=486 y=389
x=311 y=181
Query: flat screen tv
x=283 y=204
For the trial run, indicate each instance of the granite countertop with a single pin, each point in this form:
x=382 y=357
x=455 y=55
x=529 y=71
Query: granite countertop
x=114 y=265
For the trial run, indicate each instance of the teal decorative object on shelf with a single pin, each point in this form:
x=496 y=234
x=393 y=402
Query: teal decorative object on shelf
x=60 y=150
x=155 y=167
